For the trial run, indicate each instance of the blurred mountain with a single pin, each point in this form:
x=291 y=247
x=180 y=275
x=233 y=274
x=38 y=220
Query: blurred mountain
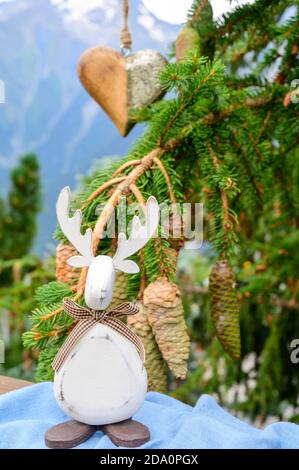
x=46 y=109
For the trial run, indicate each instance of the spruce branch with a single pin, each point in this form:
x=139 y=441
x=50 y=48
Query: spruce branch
x=102 y=188
x=125 y=185
x=226 y=220
x=186 y=100
x=126 y=165
x=263 y=128
x=243 y=17
x=138 y=195
x=226 y=237
x=258 y=190
x=160 y=165
x=249 y=103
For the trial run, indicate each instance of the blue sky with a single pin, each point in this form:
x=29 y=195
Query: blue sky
x=170 y=11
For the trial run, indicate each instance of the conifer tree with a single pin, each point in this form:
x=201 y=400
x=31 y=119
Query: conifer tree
x=2 y=222
x=18 y=213
x=228 y=137
x=20 y=271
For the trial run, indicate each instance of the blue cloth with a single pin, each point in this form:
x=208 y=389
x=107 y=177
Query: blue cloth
x=26 y=414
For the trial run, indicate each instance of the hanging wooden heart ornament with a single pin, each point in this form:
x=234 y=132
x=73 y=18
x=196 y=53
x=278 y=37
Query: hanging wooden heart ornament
x=122 y=82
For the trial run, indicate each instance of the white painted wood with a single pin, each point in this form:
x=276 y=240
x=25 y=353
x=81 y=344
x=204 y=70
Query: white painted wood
x=100 y=283
x=71 y=227
x=79 y=261
x=102 y=380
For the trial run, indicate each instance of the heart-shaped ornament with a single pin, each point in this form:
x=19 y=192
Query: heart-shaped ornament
x=121 y=84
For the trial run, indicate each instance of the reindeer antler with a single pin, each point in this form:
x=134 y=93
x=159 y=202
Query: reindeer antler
x=71 y=229
x=140 y=234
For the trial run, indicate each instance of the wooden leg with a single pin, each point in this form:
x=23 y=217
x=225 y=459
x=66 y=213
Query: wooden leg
x=69 y=434
x=128 y=433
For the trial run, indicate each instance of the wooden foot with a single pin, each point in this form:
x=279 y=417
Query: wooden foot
x=128 y=433
x=68 y=435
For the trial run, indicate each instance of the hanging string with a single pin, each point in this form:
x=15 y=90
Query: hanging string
x=125 y=35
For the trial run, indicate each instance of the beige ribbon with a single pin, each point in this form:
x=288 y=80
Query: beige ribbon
x=89 y=318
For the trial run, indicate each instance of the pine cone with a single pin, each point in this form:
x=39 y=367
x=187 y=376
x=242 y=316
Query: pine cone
x=154 y=363
x=174 y=228
x=187 y=40
x=120 y=292
x=164 y=310
x=224 y=307
x=172 y=257
x=64 y=272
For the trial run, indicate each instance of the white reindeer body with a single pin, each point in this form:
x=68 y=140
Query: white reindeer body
x=103 y=379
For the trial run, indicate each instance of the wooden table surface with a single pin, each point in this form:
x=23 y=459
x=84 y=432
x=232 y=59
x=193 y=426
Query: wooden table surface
x=7 y=384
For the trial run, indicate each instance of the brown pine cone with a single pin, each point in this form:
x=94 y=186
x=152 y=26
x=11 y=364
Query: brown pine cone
x=164 y=310
x=120 y=291
x=225 y=307
x=154 y=362
x=64 y=272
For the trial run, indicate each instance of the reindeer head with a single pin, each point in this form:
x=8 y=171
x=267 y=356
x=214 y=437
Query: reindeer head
x=101 y=273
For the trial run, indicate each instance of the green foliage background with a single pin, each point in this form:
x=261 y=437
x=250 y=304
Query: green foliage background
x=20 y=271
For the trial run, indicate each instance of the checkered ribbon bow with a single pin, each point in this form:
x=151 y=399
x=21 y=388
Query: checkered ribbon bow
x=88 y=318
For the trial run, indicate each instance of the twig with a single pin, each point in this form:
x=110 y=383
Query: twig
x=162 y=168
x=263 y=128
x=122 y=188
x=227 y=224
x=137 y=193
x=249 y=103
x=102 y=188
x=125 y=166
x=253 y=141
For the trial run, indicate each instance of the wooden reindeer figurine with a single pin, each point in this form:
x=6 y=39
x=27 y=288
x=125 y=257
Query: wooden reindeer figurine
x=100 y=379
